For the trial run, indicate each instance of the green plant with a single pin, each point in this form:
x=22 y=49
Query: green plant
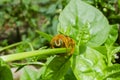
x=20 y=19
x=94 y=50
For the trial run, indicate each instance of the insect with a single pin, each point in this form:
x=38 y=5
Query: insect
x=61 y=40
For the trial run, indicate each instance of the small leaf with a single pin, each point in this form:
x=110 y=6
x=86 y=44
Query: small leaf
x=112 y=72
x=5 y=72
x=113 y=35
x=115 y=50
x=56 y=69
x=29 y=74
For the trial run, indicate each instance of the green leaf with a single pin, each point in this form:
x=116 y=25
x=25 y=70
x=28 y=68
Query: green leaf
x=69 y=75
x=5 y=72
x=102 y=50
x=47 y=36
x=76 y=15
x=112 y=72
x=113 y=35
x=28 y=74
x=88 y=65
x=56 y=69
x=115 y=50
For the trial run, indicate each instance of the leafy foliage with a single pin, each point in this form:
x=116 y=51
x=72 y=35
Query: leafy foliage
x=112 y=72
x=55 y=71
x=88 y=65
x=95 y=40
x=98 y=27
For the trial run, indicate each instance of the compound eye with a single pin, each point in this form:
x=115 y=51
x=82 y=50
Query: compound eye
x=58 y=43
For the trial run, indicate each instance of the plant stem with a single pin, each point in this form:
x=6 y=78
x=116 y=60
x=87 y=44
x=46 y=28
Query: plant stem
x=109 y=55
x=10 y=46
x=41 y=53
